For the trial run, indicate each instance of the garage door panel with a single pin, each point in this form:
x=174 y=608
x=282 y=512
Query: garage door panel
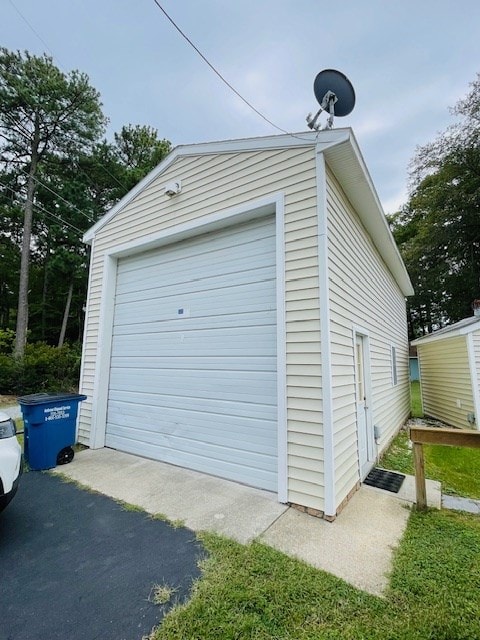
x=243 y=323
x=202 y=448
x=232 y=470
x=226 y=246
x=199 y=389
x=185 y=450
x=260 y=300
x=206 y=361
x=197 y=307
x=161 y=287
x=222 y=409
x=160 y=282
x=245 y=433
x=220 y=343
x=251 y=237
x=237 y=261
x=235 y=386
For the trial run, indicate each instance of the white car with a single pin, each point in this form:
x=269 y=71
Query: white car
x=11 y=464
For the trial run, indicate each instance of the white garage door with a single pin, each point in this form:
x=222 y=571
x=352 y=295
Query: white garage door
x=193 y=368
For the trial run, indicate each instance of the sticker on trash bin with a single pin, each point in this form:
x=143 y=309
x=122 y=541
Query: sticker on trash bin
x=57 y=413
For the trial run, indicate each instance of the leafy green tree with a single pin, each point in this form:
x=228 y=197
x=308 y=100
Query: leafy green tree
x=10 y=242
x=81 y=192
x=139 y=150
x=438 y=231
x=57 y=178
x=42 y=112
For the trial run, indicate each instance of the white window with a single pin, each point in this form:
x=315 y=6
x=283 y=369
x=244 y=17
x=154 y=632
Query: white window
x=394 y=366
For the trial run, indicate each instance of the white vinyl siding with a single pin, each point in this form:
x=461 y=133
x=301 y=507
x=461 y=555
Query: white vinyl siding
x=364 y=294
x=212 y=183
x=446 y=381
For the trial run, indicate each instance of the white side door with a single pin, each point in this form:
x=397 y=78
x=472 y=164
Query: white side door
x=364 y=427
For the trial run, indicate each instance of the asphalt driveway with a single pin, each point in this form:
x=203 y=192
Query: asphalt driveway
x=76 y=565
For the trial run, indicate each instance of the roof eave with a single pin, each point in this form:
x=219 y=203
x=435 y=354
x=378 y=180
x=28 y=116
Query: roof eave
x=452 y=333
x=348 y=165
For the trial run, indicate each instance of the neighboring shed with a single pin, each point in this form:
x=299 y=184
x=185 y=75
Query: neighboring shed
x=449 y=361
x=414 y=370
x=246 y=318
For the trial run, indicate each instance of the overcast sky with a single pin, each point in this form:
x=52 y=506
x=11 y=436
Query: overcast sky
x=409 y=61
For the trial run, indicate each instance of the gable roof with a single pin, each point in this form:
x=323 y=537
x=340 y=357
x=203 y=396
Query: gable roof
x=342 y=155
x=461 y=328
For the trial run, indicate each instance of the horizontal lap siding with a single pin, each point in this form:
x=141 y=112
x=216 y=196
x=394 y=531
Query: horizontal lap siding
x=445 y=379
x=363 y=293
x=212 y=183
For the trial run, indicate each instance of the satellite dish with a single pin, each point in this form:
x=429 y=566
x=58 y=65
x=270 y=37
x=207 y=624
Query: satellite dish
x=334 y=93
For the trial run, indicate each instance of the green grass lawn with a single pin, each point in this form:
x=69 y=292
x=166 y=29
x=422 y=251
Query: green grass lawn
x=416 y=399
x=457 y=468
x=255 y=592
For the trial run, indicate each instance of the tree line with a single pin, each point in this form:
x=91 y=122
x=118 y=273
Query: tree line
x=58 y=175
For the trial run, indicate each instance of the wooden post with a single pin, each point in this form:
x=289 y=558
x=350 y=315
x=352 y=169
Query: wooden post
x=420 y=486
x=431 y=435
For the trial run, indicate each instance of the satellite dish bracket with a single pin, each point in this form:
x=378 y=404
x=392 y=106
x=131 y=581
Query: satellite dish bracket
x=327 y=104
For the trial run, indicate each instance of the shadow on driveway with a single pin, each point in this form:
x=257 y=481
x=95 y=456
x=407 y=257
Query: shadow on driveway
x=75 y=564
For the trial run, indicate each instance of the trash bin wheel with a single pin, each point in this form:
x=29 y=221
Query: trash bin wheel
x=65 y=456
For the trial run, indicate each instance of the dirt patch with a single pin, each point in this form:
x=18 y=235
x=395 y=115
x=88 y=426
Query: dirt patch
x=4 y=400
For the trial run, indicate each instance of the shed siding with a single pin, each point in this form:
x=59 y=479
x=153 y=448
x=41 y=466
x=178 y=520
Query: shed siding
x=445 y=380
x=212 y=183
x=362 y=293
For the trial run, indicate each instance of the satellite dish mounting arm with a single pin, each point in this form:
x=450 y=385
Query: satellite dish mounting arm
x=327 y=104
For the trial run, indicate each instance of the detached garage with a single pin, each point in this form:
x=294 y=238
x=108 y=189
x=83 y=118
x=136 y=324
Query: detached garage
x=246 y=318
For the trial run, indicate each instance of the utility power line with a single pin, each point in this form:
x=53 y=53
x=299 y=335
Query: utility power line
x=230 y=86
x=31 y=27
x=25 y=131
x=43 y=210
x=55 y=193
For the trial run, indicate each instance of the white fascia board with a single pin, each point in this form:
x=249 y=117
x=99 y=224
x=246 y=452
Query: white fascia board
x=348 y=165
x=287 y=141
x=454 y=333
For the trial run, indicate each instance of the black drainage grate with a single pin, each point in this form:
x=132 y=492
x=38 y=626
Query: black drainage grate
x=388 y=480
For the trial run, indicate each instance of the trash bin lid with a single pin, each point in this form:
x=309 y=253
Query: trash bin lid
x=46 y=398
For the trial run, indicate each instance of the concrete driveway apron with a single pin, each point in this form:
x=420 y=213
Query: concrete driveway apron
x=76 y=564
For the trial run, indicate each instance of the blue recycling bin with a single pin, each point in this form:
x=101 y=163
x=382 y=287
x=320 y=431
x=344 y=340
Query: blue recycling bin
x=50 y=421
